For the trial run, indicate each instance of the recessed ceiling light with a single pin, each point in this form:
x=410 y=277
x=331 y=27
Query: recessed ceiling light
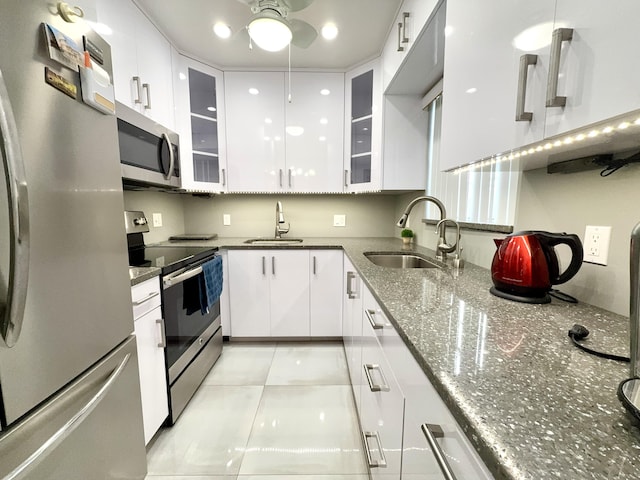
x=211 y=109
x=222 y=30
x=329 y=31
x=254 y=91
x=325 y=91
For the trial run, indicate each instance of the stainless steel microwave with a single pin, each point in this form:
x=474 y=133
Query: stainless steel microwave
x=149 y=152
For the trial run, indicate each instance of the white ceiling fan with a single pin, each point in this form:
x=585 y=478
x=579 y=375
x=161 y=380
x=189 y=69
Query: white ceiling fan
x=271 y=28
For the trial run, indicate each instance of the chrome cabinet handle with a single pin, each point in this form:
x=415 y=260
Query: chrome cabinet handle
x=431 y=432
x=559 y=35
x=23 y=470
x=370 y=314
x=351 y=292
x=264 y=266
x=384 y=387
x=224 y=177
x=273 y=265
x=138 y=100
x=146 y=299
x=405 y=15
x=315 y=265
x=382 y=463
x=346 y=178
x=163 y=334
x=290 y=178
x=400 y=47
x=147 y=87
x=525 y=61
x=172 y=157
x=12 y=313
x=280 y=175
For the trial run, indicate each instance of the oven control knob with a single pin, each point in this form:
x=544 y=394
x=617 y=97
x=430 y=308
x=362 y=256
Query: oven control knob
x=140 y=221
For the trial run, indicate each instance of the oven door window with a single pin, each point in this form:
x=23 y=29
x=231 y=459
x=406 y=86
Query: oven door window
x=184 y=321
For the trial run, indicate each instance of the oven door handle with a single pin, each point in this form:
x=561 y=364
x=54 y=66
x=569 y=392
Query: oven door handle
x=171 y=280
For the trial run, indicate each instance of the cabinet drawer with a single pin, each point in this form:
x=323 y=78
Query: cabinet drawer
x=145 y=297
x=382 y=410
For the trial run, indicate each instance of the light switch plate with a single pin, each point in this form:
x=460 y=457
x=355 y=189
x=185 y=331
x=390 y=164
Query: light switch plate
x=339 y=220
x=157 y=219
x=596 y=244
x=226 y=219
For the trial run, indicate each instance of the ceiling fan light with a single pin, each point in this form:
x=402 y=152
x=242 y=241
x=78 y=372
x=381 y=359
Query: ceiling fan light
x=269 y=33
x=329 y=31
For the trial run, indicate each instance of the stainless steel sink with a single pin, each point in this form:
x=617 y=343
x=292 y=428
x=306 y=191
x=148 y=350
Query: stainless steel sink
x=274 y=241
x=400 y=260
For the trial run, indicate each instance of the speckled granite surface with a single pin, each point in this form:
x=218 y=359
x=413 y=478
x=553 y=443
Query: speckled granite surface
x=140 y=274
x=534 y=406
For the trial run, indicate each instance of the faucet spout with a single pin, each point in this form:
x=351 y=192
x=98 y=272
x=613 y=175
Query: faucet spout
x=440 y=253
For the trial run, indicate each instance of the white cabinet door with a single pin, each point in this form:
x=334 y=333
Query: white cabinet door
x=363 y=128
x=382 y=409
x=199 y=109
x=326 y=293
x=289 y=270
x=484 y=47
x=225 y=310
x=597 y=75
x=315 y=133
x=249 y=296
x=255 y=106
x=140 y=56
x=153 y=380
x=352 y=326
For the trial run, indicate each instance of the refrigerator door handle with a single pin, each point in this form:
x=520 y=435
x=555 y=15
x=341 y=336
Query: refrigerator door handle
x=22 y=471
x=12 y=313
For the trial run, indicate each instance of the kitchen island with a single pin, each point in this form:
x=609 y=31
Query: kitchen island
x=532 y=404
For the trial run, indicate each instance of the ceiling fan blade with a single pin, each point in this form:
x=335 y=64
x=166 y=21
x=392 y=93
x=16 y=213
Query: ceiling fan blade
x=296 y=5
x=303 y=33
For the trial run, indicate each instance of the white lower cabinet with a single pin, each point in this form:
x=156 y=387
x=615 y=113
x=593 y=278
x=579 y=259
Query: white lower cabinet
x=325 y=289
x=150 y=340
x=269 y=293
x=398 y=406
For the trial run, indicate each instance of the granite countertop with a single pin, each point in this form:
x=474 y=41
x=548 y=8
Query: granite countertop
x=140 y=274
x=533 y=405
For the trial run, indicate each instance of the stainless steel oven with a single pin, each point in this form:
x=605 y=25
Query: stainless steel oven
x=149 y=152
x=191 y=326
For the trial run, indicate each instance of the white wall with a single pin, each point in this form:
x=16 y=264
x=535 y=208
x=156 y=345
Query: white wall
x=309 y=215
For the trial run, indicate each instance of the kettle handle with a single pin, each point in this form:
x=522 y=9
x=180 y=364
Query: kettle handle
x=577 y=253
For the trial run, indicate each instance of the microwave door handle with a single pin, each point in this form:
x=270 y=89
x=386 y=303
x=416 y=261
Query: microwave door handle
x=12 y=313
x=172 y=159
x=175 y=279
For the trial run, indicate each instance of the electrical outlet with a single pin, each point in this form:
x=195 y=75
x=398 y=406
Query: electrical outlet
x=157 y=219
x=339 y=220
x=596 y=244
x=226 y=219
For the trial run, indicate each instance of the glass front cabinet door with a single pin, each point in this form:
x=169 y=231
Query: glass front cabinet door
x=199 y=103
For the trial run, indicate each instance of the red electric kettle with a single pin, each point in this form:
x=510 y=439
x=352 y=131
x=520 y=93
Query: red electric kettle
x=525 y=265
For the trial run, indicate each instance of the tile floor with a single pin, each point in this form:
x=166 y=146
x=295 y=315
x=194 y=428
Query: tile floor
x=266 y=411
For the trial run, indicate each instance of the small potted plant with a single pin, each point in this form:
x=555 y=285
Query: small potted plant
x=407 y=236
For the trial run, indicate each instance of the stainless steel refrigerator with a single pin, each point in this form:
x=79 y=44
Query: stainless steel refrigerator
x=69 y=388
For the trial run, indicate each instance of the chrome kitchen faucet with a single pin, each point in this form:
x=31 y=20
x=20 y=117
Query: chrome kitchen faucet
x=442 y=248
x=280 y=221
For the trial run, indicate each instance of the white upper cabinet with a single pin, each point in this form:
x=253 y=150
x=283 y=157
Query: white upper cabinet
x=314 y=133
x=408 y=24
x=274 y=145
x=141 y=60
x=363 y=129
x=199 y=97
x=483 y=50
x=527 y=71
x=597 y=73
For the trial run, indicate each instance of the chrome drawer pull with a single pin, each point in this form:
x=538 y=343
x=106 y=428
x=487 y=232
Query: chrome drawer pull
x=384 y=387
x=370 y=314
x=146 y=299
x=431 y=432
x=382 y=463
